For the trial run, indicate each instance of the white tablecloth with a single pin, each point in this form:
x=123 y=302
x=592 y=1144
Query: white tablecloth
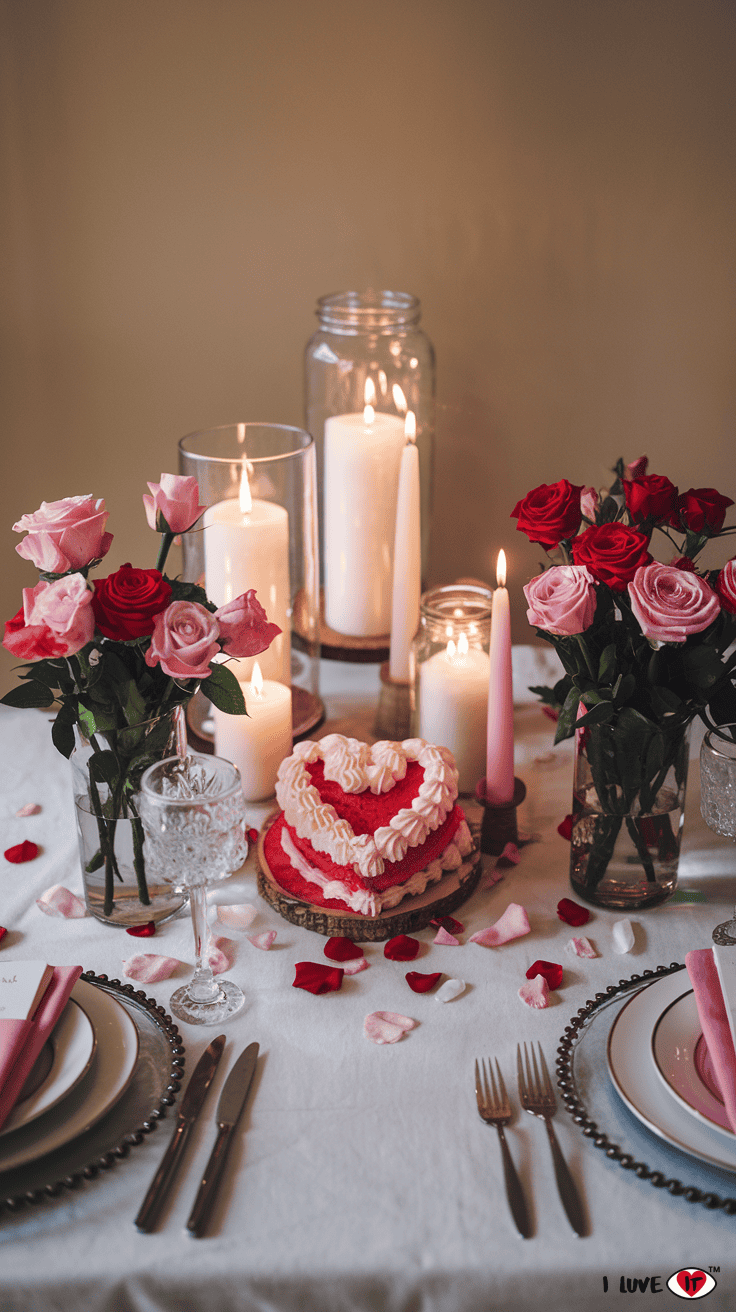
x=363 y=1178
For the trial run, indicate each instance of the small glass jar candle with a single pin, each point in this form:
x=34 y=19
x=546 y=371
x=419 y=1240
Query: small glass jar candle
x=450 y=671
x=368 y=364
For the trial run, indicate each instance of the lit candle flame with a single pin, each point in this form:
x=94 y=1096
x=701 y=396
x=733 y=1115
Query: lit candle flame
x=369 y=392
x=400 y=400
x=246 y=501
x=369 y=414
x=451 y=649
x=256 y=680
x=410 y=426
x=501 y=569
x=462 y=645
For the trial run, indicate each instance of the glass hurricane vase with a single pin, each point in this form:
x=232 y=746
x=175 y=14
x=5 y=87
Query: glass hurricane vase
x=628 y=809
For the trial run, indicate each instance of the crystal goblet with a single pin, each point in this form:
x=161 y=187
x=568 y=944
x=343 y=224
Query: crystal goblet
x=193 y=814
x=718 y=800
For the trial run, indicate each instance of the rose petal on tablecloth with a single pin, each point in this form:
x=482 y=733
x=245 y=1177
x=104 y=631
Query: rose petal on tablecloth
x=582 y=947
x=512 y=924
x=511 y=856
x=401 y=948
x=219 y=954
x=452 y=988
x=3 y=932
x=419 y=983
x=252 y=836
x=492 y=877
x=30 y=808
x=386 y=1026
x=551 y=971
x=58 y=901
x=449 y=923
x=264 y=940
x=316 y=978
x=342 y=949
x=150 y=967
x=571 y=912
x=535 y=993
x=622 y=935
x=355 y=966
x=564 y=828
x=236 y=915
x=443 y=939
x=142 y=931
x=24 y=851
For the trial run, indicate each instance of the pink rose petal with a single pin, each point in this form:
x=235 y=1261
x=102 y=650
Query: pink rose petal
x=512 y=924
x=446 y=940
x=511 y=856
x=386 y=1026
x=30 y=808
x=535 y=993
x=492 y=877
x=582 y=947
x=220 y=954
x=238 y=915
x=262 y=941
x=354 y=966
x=58 y=901
x=149 y=967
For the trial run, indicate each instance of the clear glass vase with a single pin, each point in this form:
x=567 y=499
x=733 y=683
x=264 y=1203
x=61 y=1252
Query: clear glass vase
x=627 y=821
x=106 y=773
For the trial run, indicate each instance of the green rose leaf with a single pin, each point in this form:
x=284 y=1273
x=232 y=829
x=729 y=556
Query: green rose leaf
x=62 y=730
x=224 y=691
x=30 y=693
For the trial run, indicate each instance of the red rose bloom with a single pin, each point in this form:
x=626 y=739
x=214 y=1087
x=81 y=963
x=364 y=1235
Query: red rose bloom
x=612 y=552
x=652 y=496
x=701 y=509
x=549 y=513
x=126 y=602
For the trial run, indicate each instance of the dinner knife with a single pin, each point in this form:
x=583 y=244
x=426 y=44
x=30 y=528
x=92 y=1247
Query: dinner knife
x=232 y=1101
x=189 y=1109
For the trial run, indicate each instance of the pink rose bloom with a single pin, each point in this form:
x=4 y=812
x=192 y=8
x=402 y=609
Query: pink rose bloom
x=589 y=503
x=244 y=626
x=174 y=504
x=562 y=600
x=671 y=603
x=64 y=535
x=184 y=641
x=56 y=620
x=726 y=586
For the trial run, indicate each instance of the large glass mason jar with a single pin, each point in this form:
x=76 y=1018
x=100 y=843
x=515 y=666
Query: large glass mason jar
x=367 y=366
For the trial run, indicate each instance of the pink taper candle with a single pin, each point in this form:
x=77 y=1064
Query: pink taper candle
x=500 y=740
x=407 y=585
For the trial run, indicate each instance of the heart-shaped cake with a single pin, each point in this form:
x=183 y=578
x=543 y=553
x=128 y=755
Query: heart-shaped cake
x=363 y=826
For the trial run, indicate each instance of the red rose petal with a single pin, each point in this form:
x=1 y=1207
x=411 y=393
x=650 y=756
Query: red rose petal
x=401 y=948
x=143 y=931
x=342 y=949
x=252 y=835
x=549 y=969
x=419 y=983
x=3 y=932
x=564 y=829
x=315 y=978
x=449 y=923
x=571 y=913
x=24 y=851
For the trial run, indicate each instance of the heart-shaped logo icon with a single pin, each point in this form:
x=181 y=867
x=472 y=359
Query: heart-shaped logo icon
x=691 y=1282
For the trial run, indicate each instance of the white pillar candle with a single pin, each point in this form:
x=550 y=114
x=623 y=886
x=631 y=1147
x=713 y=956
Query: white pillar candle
x=500 y=735
x=259 y=741
x=249 y=548
x=407 y=557
x=362 y=454
x=452 y=704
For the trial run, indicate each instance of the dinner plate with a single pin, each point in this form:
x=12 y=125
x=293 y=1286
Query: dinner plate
x=105 y=1081
x=63 y=1061
x=683 y=1063
x=638 y=1084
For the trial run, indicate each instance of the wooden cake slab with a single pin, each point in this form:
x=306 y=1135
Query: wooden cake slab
x=411 y=914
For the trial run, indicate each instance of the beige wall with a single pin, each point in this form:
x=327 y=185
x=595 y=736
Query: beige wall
x=181 y=179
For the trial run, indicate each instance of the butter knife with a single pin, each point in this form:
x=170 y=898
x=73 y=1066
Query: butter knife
x=232 y=1101
x=189 y=1109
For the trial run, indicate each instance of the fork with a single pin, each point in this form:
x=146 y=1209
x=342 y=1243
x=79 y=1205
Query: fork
x=495 y=1109
x=537 y=1097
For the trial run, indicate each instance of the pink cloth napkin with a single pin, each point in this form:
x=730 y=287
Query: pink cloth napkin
x=22 y=1040
x=703 y=973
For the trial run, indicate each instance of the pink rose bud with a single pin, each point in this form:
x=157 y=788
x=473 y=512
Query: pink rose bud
x=671 y=603
x=562 y=600
x=589 y=503
x=64 y=535
x=184 y=641
x=56 y=620
x=174 y=505
x=244 y=626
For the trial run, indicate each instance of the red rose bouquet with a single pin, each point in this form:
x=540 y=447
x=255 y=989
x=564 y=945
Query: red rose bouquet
x=119 y=655
x=644 y=646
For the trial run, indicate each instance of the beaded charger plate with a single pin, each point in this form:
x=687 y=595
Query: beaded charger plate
x=412 y=914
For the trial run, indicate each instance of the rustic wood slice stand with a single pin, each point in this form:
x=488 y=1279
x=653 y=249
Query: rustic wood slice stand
x=412 y=914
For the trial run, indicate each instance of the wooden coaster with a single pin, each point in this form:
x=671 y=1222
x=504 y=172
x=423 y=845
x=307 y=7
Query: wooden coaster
x=412 y=914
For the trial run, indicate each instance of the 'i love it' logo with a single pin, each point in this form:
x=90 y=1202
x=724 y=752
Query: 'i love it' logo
x=691 y=1283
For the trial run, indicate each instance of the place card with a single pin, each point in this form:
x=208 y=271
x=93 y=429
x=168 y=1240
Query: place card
x=22 y=986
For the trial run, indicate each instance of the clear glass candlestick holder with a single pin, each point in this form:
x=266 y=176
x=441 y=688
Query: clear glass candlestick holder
x=193 y=814
x=718 y=800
